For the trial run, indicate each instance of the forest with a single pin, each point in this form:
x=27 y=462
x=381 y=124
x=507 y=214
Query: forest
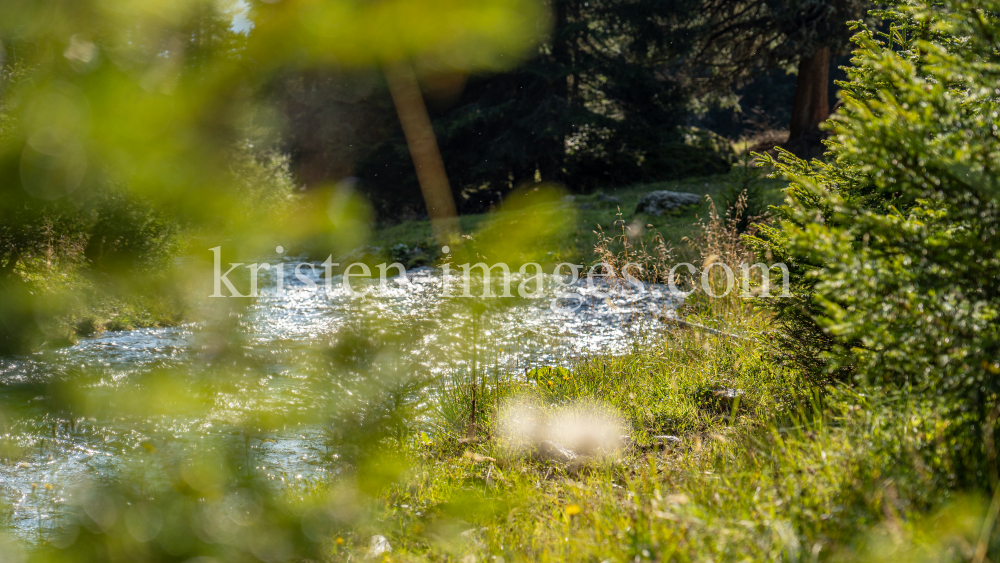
x=504 y=280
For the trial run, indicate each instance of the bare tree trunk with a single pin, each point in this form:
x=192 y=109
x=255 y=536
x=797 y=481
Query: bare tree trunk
x=811 y=106
x=424 y=151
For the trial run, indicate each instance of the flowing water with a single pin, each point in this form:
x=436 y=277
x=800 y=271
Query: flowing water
x=281 y=341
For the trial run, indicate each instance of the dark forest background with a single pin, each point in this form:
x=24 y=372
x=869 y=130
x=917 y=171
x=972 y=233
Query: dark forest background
x=621 y=92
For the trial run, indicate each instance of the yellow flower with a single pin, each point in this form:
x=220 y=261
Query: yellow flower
x=551 y=382
x=339 y=541
x=573 y=509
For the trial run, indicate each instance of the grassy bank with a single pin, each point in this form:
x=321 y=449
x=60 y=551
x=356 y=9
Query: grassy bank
x=57 y=304
x=701 y=447
x=791 y=472
x=598 y=211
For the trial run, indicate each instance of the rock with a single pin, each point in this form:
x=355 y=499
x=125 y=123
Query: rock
x=658 y=202
x=608 y=198
x=88 y=327
x=378 y=545
x=553 y=451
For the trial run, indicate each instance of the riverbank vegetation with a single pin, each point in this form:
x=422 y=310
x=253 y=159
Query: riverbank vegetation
x=608 y=211
x=853 y=421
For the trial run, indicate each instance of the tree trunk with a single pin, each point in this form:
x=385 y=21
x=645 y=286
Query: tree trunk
x=424 y=151
x=811 y=106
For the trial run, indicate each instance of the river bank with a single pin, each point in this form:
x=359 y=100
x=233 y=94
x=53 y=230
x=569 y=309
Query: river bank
x=89 y=307
x=403 y=427
x=407 y=429
x=607 y=211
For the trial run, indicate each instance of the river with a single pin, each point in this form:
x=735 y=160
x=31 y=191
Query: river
x=276 y=348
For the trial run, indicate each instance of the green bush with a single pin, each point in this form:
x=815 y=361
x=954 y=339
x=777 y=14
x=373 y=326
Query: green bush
x=893 y=240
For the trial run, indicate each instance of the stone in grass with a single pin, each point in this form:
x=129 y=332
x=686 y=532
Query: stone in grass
x=580 y=465
x=87 y=327
x=659 y=202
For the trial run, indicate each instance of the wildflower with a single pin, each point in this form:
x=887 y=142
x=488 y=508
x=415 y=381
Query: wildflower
x=573 y=509
x=339 y=541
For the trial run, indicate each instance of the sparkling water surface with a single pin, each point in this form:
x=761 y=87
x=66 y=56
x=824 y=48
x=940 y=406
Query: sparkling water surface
x=63 y=452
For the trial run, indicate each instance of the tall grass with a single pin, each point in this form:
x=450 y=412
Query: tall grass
x=789 y=471
x=671 y=382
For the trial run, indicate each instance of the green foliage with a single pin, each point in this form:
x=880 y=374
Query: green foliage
x=90 y=206
x=598 y=211
x=893 y=242
x=893 y=245
x=193 y=509
x=128 y=233
x=836 y=475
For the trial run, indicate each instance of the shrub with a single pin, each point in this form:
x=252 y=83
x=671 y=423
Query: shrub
x=893 y=240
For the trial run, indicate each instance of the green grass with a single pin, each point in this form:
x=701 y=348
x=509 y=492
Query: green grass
x=664 y=387
x=590 y=213
x=799 y=474
x=793 y=473
x=83 y=305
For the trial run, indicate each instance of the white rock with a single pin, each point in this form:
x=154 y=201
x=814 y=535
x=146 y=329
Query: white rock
x=658 y=202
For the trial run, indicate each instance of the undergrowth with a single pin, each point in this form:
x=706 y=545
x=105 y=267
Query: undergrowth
x=726 y=456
